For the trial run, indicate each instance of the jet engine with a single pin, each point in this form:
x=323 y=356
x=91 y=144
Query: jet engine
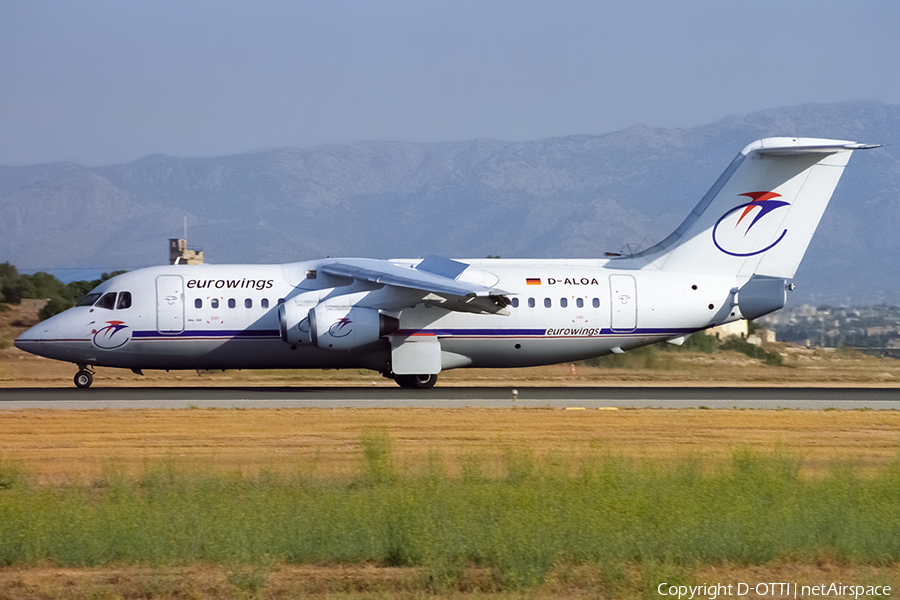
x=293 y=321
x=346 y=327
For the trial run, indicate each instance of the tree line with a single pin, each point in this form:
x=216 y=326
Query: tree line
x=15 y=286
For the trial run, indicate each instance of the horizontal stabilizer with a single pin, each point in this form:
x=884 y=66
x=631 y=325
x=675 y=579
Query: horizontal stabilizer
x=795 y=147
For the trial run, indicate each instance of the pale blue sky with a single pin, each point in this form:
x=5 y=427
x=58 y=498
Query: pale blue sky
x=107 y=82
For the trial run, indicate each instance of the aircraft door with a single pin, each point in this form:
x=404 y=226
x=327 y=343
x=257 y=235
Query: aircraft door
x=169 y=304
x=623 y=302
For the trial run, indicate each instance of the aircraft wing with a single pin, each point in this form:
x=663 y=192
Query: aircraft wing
x=435 y=276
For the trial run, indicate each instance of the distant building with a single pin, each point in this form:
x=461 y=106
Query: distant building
x=766 y=335
x=880 y=330
x=738 y=328
x=806 y=310
x=180 y=254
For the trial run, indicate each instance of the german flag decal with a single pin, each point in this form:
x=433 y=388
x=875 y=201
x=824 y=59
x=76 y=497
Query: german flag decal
x=533 y=280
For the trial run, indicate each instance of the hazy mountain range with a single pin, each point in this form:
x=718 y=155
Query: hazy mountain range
x=574 y=196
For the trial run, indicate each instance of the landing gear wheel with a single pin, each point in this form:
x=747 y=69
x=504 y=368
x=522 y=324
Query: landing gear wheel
x=83 y=379
x=416 y=382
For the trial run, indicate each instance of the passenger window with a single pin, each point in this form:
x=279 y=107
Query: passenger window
x=579 y=302
x=198 y=303
x=515 y=303
x=248 y=303
x=124 y=301
x=563 y=302
x=531 y=303
x=89 y=300
x=596 y=302
x=214 y=303
x=108 y=301
x=547 y=303
x=231 y=303
x=264 y=303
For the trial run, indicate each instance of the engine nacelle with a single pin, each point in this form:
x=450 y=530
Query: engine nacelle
x=293 y=321
x=346 y=327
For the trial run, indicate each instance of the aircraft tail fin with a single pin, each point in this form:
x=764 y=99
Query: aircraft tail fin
x=759 y=217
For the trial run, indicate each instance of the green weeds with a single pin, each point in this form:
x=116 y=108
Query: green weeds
x=737 y=344
x=534 y=518
x=10 y=475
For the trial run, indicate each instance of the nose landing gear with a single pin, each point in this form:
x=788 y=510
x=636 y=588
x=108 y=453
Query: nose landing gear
x=83 y=378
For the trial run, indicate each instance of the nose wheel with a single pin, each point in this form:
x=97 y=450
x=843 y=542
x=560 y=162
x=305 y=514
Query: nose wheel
x=84 y=379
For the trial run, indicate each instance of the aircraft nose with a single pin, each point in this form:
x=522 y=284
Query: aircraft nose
x=29 y=337
x=30 y=340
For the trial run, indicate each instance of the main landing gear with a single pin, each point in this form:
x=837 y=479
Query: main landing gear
x=416 y=382
x=83 y=378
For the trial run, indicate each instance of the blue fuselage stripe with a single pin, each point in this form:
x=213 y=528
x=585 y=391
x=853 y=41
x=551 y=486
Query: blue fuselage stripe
x=210 y=333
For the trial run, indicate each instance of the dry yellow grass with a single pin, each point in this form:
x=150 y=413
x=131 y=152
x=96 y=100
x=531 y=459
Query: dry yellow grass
x=326 y=442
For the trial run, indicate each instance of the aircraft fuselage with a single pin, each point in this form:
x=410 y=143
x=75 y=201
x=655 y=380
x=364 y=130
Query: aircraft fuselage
x=227 y=317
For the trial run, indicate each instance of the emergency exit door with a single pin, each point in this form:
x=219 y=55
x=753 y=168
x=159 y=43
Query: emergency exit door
x=623 y=303
x=169 y=304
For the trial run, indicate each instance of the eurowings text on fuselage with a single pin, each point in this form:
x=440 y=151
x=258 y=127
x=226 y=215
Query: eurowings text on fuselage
x=732 y=258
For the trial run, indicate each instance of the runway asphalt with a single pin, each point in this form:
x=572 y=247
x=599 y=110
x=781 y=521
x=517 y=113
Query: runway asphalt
x=451 y=397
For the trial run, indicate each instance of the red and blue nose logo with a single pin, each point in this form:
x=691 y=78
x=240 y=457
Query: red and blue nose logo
x=751 y=228
x=114 y=335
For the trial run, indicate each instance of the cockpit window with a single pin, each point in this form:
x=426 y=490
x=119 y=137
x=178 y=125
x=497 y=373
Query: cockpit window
x=124 y=300
x=108 y=301
x=89 y=300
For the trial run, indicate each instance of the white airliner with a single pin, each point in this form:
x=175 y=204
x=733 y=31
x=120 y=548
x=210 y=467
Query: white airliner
x=732 y=258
